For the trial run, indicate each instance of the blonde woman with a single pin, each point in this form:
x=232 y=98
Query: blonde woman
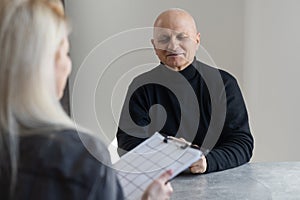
x=41 y=154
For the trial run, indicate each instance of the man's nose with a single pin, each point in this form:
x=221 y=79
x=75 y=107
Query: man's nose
x=173 y=44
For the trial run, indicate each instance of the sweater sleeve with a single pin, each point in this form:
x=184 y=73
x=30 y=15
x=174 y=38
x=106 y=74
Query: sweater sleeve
x=128 y=135
x=235 y=145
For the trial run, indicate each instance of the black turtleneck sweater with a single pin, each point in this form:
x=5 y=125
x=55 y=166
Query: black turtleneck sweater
x=201 y=104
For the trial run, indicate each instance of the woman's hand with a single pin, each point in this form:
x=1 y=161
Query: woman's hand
x=158 y=189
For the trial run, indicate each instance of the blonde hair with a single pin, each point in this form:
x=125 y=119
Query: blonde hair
x=30 y=34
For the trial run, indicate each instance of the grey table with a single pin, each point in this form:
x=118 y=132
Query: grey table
x=252 y=181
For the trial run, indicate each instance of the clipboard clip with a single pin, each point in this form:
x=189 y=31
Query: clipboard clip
x=183 y=144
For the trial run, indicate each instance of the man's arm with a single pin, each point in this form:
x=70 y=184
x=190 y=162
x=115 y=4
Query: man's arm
x=128 y=135
x=126 y=142
x=235 y=144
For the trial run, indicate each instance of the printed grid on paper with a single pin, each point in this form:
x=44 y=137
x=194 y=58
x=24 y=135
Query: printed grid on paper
x=139 y=167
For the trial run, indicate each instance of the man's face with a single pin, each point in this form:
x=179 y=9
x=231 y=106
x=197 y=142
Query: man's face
x=176 y=42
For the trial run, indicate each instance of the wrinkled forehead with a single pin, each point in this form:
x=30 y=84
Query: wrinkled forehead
x=159 y=32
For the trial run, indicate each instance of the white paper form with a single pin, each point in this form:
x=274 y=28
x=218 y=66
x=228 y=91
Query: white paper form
x=140 y=166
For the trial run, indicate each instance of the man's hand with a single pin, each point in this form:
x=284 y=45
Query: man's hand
x=199 y=167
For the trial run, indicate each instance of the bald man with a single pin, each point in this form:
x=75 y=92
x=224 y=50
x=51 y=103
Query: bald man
x=200 y=103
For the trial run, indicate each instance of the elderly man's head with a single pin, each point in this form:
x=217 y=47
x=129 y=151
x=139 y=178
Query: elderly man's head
x=175 y=38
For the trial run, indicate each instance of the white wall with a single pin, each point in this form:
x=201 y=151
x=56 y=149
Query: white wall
x=271 y=77
x=257 y=41
x=104 y=22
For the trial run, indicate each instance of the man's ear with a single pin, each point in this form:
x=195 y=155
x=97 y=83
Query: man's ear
x=198 y=39
x=152 y=42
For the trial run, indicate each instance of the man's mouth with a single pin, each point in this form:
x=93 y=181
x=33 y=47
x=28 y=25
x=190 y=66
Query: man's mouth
x=174 y=54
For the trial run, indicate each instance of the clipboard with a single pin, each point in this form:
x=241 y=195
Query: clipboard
x=146 y=162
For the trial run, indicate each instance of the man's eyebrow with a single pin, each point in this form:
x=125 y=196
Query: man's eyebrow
x=167 y=34
x=182 y=33
x=162 y=35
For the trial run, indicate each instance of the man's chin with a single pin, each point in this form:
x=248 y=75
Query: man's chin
x=176 y=67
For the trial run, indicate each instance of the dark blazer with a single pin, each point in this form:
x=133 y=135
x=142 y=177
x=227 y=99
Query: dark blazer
x=56 y=165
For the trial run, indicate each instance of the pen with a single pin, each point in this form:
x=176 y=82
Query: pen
x=181 y=141
x=186 y=144
x=168 y=181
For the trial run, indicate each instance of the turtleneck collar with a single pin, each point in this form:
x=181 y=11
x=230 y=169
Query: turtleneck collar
x=189 y=72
